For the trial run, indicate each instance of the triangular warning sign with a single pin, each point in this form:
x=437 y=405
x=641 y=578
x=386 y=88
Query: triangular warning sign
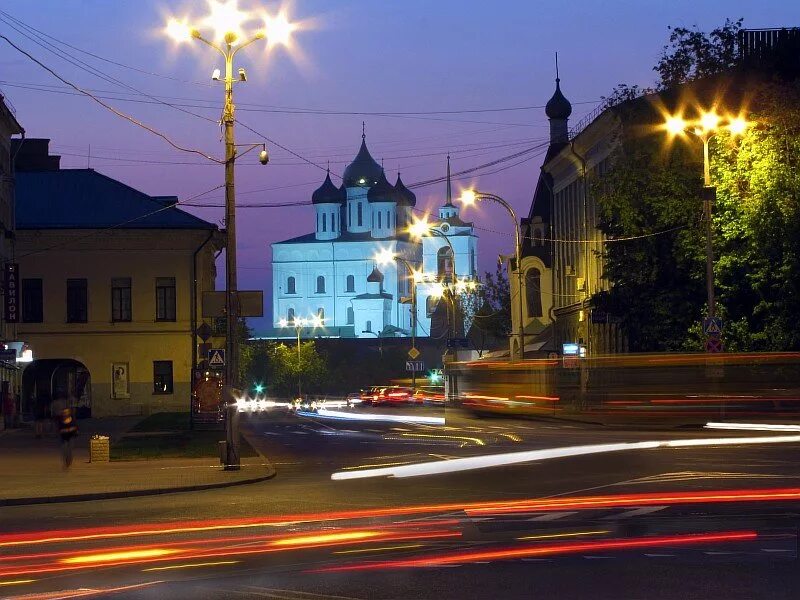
x=216 y=359
x=713 y=328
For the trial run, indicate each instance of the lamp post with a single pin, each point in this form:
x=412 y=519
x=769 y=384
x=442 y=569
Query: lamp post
x=227 y=20
x=705 y=129
x=470 y=197
x=298 y=323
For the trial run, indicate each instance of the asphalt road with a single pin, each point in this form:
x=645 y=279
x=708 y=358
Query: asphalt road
x=652 y=523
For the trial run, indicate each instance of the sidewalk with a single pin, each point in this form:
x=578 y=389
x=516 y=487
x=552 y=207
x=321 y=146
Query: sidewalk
x=31 y=472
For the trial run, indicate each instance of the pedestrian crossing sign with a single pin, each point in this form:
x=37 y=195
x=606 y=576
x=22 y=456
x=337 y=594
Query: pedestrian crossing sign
x=216 y=357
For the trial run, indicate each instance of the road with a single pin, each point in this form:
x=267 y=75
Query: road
x=637 y=522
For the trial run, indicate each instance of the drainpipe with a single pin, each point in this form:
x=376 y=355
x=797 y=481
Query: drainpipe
x=585 y=235
x=193 y=322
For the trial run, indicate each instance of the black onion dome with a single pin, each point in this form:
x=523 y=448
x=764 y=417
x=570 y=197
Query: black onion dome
x=405 y=197
x=383 y=191
x=558 y=107
x=363 y=171
x=376 y=276
x=328 y=193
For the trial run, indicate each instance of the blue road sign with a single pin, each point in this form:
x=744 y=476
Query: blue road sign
x=712 y=326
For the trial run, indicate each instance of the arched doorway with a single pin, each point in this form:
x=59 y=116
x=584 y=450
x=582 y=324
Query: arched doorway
x=58 y=382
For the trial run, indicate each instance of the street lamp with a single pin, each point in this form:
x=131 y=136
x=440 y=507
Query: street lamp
x=298 y=323
x=705 y=129
x=227 y=23
x=470 y=197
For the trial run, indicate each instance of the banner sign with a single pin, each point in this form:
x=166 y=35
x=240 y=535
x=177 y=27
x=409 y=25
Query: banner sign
x=11 y=286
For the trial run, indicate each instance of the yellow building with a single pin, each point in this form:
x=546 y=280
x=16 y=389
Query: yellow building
x=111 y=281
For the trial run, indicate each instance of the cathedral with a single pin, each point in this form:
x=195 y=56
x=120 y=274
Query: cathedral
x=331 y=276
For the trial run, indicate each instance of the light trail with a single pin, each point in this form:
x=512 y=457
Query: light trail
x=551 y=536
x=753 y=426
x=346 y=416
x=513 y=458
x=193 y=565
x=435 y=560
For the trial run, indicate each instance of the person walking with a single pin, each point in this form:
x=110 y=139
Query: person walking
x=67 y=429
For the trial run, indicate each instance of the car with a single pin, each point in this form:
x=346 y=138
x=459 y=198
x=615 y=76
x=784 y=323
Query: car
x=394 y=395
x=429 y=396
x=370 y=395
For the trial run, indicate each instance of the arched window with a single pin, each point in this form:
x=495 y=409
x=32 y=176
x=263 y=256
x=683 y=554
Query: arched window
x=351 y=316
x=324 y=222
x=430 y=304
x=533 y=292
x=444 y=263
x=290 y=315
x=291 y=286
x=320 y=284
x=537 y=237
x=321 y=314
x=350 y=283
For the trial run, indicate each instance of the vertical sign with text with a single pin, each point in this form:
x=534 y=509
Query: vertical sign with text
x=11 y=286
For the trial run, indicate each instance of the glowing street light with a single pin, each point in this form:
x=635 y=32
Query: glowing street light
x=705 y=129
x=227 y=22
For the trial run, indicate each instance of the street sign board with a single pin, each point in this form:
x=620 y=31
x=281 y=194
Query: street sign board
x=714 y=345
x=415 y=365
x=204 y=331
x=250 y=303
x=216 y=357
x=413 y=353
x=458 y=343
x=9 y=356
x=712 y=326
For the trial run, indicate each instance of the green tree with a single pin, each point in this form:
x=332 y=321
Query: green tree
x=492 y=320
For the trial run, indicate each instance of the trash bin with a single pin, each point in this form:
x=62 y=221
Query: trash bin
x=223 y=451
x=99 y=448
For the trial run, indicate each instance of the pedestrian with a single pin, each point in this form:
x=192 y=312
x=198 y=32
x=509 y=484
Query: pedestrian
x=40 y=407
x=67 y=429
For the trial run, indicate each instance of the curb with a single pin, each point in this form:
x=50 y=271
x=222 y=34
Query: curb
x=134 y=493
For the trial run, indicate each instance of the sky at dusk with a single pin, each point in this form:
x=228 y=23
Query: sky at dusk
x=448 y=57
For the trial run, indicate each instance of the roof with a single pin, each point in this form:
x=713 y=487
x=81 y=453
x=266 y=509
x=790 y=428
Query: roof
x=558 y=107
x=383 y=295
x=405 y=197
x=7 y=111
x=347 y=236
x=382 y=191
x=86 y=199
x=328 y=193
x=363 y=171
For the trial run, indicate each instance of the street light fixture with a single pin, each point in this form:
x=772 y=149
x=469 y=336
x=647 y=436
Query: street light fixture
x=227 y=22
x=705 y=129
x=470 y=197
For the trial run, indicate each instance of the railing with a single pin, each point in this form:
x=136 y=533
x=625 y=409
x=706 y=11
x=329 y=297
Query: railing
x=587 y=119
x=759 y=44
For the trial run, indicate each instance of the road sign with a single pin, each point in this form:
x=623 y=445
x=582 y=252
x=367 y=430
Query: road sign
x=204 y=331
x=415 y=365
x=714 y=345
x=712 y=326
x=216 y=357
x=458 y=343
x=413 y=353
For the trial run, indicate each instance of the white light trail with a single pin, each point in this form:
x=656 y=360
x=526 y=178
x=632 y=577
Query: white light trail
x=512 y=458
x=753 y=426
x=336 y=414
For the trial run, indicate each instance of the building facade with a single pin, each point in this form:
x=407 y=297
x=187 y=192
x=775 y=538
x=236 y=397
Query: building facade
x=332 y=273
x=111 y=281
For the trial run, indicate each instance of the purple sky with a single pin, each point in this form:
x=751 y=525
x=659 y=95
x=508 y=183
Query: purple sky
x=360 y=56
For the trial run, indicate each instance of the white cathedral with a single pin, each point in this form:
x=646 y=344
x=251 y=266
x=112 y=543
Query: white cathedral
x=333 y=273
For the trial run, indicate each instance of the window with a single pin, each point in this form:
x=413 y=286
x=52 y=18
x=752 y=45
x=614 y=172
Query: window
x=324 y=222
x=380 y=222
x=349 y=214
x=351 y=316
x=321 y=314
x=165 y=299
x=430 y=305
x=359 y=214
x=533 y=292
x=32 y=311
x=350 y=285
x=290 y=286
x=320 y=284
x=76 y=301
x=368 y=326
x=162 y=376
x=444 y=263
x=290 y=315
x=121 y=299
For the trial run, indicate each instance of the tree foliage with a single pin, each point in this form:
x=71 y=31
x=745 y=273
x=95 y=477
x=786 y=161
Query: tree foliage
x=493 y=317
x=276 y=366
